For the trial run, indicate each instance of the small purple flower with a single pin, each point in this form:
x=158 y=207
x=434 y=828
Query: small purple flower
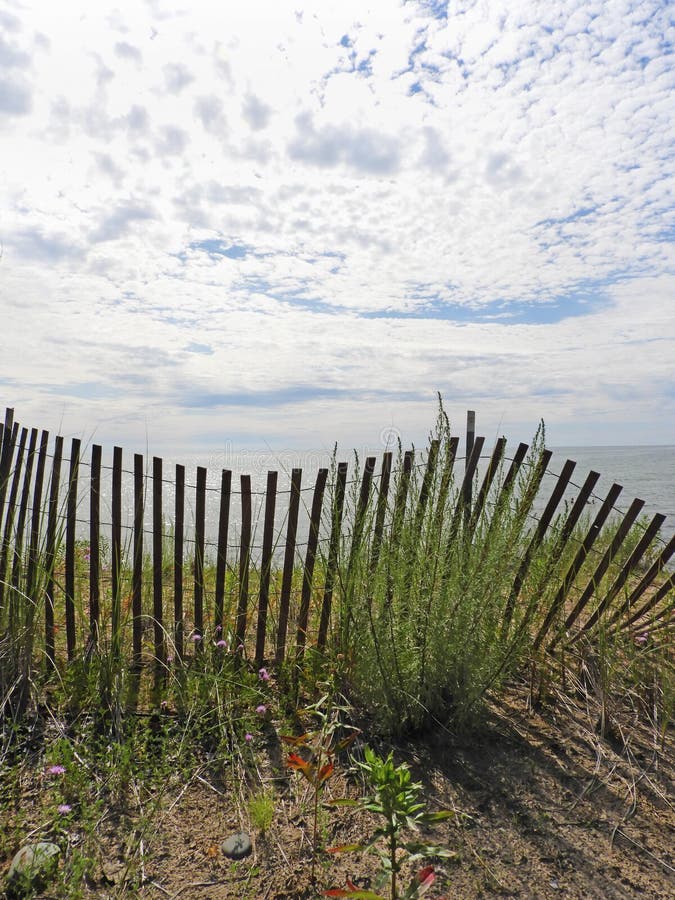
x=240 y=648
x=642 y=639
x=219 y=628
x=221 y=644
x=248 y=738
x=196 y=637
x=164 y=704
x=261 y=710
x=169 y=660
x=56 y=770
x=64 y=809
x=263 y=675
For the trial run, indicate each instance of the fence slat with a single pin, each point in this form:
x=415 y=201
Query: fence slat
x=137 y=576
x=71 y=525
x=575 y=568
x=200 y=525
x=10 y=512
x=634 y=557
x=95 y=543
x=549 y=511
x=608 y=556
x=36 y=515
x=221 y=560
x=492 y=469
x=333 y=550
x=157 y=525
x=244 y=558
x=360 y=514
x=289 y=560
x=657 y=566
x=381 y=509
x=179 y=524
x=653 y=601
x=50 y=549
x=310 y=559
x=6 y=450
x=116 y=550
x=266 y=565
x=17 y=561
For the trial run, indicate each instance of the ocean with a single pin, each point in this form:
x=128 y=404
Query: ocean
x=644 y=472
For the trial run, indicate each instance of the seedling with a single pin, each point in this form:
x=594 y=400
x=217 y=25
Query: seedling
x=314 y=756
x=395 y=799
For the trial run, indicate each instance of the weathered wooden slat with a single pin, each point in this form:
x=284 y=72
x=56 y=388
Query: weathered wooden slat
x=116 y=551
x=221 y=559
x=402 y=488
x=200 y=526
x=467 y=483
x=50 y=549
x=157 y=560
x=7 y=540
x=458 y=515
x=544 y=522
x=95 y=543
x=560 y=543
x=634 y=557
x=137 y=576
x=333 y=550
x=178 y=562
x=492 y=469
x=626 y=612
x=381 y=510
x=244 y=560
x=608 y=556
x=266 y=566
x=36 y=516
x=18 y=555
x=310 y=559
x=575 y=568
x=289 y=560
x=427 y=479
x=653 y=602
x=6 y=450
x=360 y=515
x=71 y=527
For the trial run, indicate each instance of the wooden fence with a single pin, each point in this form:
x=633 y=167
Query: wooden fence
x=43 y=561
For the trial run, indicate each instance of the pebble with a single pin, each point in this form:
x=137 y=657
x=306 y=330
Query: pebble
x=34 y=864
x=237 y=846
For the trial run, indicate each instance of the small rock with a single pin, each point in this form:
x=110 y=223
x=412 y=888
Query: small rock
x=32 y=867
x=237 y=846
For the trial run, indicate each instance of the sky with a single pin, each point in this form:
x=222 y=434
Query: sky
x=285 y=224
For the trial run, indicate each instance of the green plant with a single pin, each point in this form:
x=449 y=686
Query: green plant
x=315 y=752
x=261 y=810
x=396 y=800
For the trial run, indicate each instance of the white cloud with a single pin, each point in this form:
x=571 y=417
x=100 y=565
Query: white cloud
x=353 y=162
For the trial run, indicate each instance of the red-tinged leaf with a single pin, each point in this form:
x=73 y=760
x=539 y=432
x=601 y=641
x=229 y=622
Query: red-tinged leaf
x=426 y=876
x=345 y=742
x=325 y=772
x=301 y=765
x=345 y=848
x=299 y=741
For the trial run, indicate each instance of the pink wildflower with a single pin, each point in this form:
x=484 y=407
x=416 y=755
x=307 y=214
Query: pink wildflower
x=248 y=738
x=196 y=637
x=263 y=675
x=56 y=770
x=64 y=809
x=221 y=644
x=261 y=710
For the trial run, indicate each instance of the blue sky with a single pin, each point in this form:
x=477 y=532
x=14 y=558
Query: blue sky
x=285 y=224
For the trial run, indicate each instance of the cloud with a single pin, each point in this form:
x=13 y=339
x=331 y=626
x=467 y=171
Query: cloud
x=176 y=77
x=125 y=50
x=172 y=141
x=363 y=149
x=35 y=246
x=15 y=97
x=256 y=113
x=116 y=224
x=209 y=110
